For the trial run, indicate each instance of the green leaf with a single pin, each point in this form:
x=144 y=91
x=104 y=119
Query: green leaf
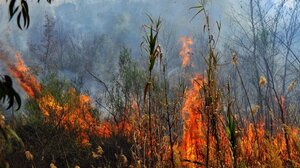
x=25 y=13
x=11 y=9
x=7 y=92
x=200 y=8
x=19 y=21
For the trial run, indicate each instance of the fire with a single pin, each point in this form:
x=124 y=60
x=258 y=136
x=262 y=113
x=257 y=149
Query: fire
x=265 y=149
x=193 y=135
x=251 y=146
x=252 y=149
x=26 y=80
x=194 y=138
x=185 y=51
x=74 y=114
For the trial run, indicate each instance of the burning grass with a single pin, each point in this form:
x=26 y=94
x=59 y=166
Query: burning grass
x=189 y=150
x=197 y=128
x=73 y=113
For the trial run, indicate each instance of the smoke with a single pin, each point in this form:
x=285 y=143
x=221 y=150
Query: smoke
x=119 y=21
x=122 y=20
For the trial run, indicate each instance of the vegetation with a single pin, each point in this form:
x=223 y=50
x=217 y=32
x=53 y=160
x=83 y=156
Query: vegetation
x=143 y=116
x=21 y=9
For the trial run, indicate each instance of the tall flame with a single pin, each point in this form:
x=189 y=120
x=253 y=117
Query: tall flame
x=76 y=114
x=194 y=139
x=185 y=51
x=193 y=136
x=26 y=80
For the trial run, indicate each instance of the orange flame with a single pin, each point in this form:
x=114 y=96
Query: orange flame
x=264 y=149
x=193 y=137
x=75 y=114
x=185 y=51
x=27 y=81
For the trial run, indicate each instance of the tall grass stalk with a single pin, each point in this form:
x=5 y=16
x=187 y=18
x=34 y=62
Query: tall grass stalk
x=154 y=51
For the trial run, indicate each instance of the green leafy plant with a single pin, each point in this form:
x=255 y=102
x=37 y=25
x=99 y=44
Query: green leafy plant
x=154 y=51
x=7 y=92
x=21 y=9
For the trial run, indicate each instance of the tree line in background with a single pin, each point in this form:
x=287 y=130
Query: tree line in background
x=247 y=94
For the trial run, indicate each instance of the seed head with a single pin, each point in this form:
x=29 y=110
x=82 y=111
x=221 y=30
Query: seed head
x=28 y=155
x=52 y=165
x=234 y=58
x=292 y=86
x=262 y=81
